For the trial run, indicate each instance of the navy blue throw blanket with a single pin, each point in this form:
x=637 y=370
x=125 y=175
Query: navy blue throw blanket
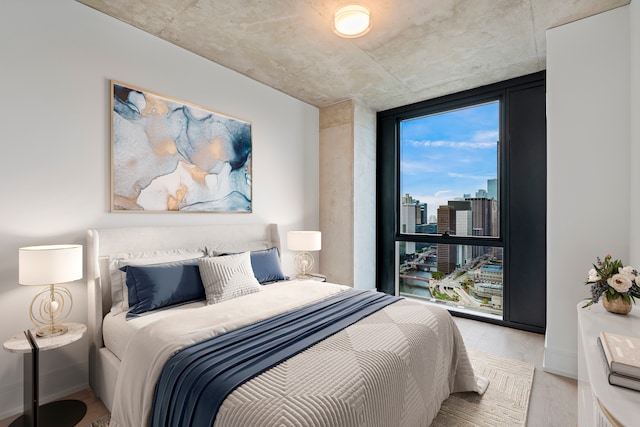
x=195 y=381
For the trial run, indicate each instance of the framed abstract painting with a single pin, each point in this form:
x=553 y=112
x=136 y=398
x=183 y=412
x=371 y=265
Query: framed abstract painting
x=171 y=156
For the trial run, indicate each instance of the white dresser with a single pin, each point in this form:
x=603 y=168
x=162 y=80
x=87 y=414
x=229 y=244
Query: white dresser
x=599 y=403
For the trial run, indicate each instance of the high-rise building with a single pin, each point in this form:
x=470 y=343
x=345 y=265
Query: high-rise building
x=422 y=213
x=459 y=204
x=481 y=194
x=446 y=254
x=492 y=189
x=420 y=208
x=407 y=199
x=485 y=221
x=408 y=221
x=477 y=250
x=464 y=227
x=485 y=216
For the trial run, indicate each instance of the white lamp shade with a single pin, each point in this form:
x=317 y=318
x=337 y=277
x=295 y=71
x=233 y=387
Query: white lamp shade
x=352 y=21
x=50 y=264
x=304 y=241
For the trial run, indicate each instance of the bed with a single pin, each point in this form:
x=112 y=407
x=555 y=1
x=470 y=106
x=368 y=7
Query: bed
x=365 y=359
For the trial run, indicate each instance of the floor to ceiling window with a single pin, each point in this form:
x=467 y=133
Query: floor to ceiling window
x=462 y=202
x=449 y=169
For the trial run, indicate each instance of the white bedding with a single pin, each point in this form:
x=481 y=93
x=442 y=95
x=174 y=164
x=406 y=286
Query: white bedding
x=118 y=331
x=436 y=362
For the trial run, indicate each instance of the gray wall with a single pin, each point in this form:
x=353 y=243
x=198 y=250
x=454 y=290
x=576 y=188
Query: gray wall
x=347 y=194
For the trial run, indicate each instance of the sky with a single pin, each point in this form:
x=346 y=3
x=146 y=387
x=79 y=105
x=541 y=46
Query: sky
x=446 y=155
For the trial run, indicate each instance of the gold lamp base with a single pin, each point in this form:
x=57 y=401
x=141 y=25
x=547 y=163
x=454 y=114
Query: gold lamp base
x=51 y=331
x=49 y=308
x=304 y=264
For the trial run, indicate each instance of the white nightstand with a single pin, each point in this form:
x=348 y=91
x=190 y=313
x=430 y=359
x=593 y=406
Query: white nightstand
x=59 y=413
x=600 y=403
x=311 y=276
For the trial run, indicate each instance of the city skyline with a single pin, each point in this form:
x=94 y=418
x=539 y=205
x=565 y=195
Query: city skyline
x=447 y=155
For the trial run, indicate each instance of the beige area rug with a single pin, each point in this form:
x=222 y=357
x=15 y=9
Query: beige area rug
x=505 y=403
x=102 y=422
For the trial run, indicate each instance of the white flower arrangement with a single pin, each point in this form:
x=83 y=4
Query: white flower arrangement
x=610 y=278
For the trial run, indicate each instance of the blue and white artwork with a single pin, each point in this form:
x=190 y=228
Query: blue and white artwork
x=169 y=156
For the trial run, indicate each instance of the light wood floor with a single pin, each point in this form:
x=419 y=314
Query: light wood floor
x=553 y=398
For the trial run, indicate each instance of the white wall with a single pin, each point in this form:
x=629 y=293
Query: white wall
x=588 y=168
x=634 y=234
x=57 y=59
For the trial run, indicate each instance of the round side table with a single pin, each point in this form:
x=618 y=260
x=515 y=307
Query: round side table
x=60 y=413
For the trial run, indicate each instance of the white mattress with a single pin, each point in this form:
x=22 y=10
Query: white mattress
x=117 y=331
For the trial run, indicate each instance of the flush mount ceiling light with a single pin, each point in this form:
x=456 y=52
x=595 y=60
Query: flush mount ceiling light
x=352 y=21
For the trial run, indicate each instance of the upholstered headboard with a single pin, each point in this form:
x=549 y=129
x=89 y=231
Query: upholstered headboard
x=103 y=243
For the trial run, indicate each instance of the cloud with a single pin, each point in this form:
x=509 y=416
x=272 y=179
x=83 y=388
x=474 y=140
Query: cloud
x=441 y=193
x=486 y=136
x=418 y=168
x=473 y=145
x=466 y=176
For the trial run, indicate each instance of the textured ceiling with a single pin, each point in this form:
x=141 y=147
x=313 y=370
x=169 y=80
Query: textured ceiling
x=416 y=49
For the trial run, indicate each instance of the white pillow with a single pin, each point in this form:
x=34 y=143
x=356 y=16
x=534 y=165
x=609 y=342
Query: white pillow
x=119 y=292
x=227 y=277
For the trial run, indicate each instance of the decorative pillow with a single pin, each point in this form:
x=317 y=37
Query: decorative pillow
x=266 y=266
x=119 y=294
x=151 y=287
x=217 y=249
x=227 y=277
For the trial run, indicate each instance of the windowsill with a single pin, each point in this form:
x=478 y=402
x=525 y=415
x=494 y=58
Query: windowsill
x=458 y=309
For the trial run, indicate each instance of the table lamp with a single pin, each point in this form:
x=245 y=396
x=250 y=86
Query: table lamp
x=304 y=241
x=50 y=265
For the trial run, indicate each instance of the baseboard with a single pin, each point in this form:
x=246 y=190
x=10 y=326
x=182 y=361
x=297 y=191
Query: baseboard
x=53 y=385
x=560 y=362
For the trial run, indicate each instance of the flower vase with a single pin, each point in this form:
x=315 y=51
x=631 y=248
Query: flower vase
x=616 y=305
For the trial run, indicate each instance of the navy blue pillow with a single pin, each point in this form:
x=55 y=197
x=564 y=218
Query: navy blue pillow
x=266 y=266
x=151 y=287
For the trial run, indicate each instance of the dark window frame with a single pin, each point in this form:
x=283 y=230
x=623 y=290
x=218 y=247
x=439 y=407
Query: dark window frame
x=430 y=108
x=388 y=185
